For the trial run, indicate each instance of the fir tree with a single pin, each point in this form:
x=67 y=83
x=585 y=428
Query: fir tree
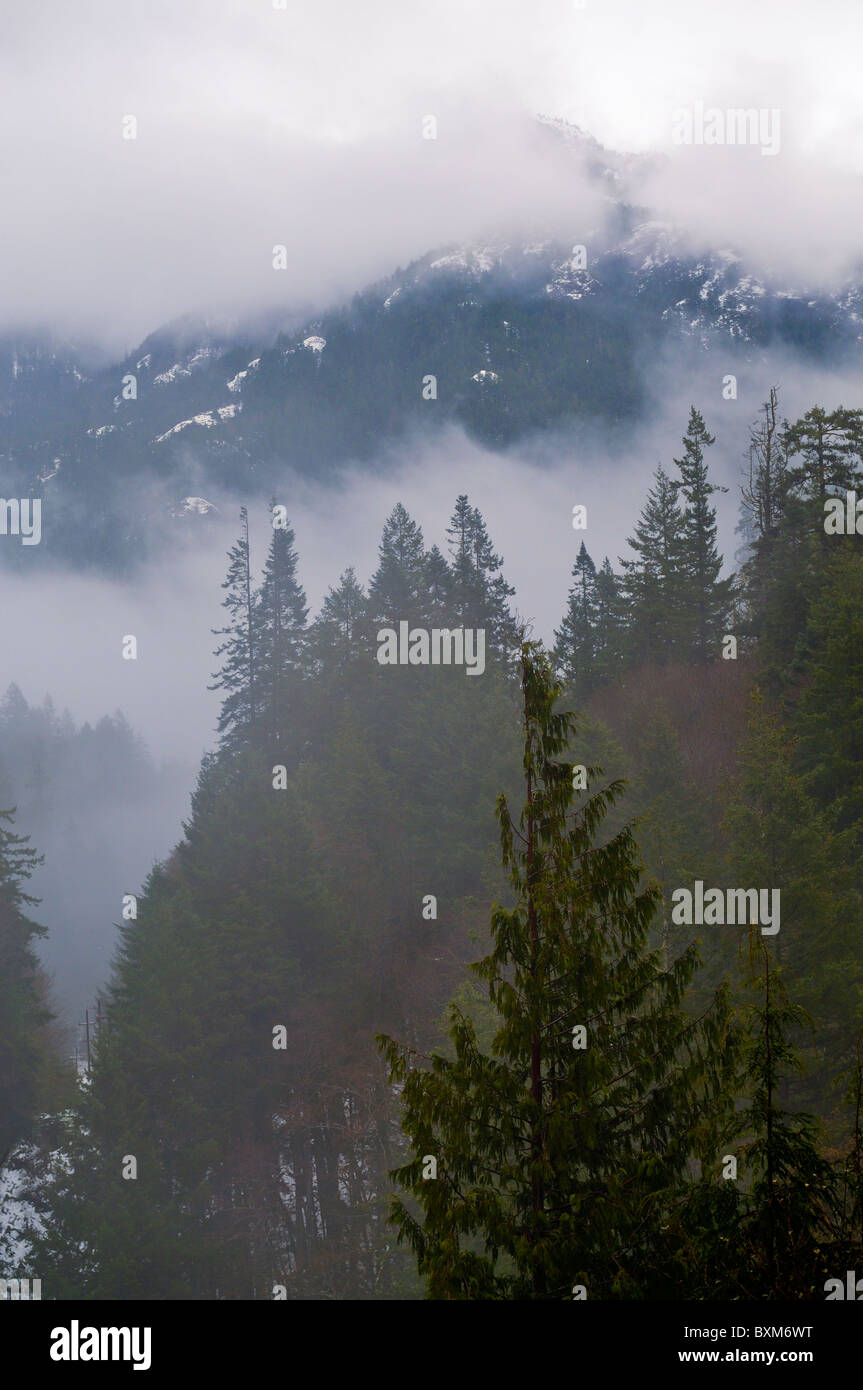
x=825 y=454
x=22 y=1010
x=238 y=674
x=779 y=837
x=706 y=596
x=399 y=588
x=557 y=1161
x=764 y=498
x=440 y=584
x=340 y=635
x=793 y=1187
x=654 y=583
x=575 y=639
x=281 y=611
x=608 y=634
x=479 y=594
x=830 y=712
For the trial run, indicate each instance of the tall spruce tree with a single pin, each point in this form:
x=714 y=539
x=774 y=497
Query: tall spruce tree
x=825 y=454
x=281 y=612
x=706 y=597
x=238 y=675
x=793 y=1187
x=439 y=576
x=558 y=1154
x=609 y=630
x=479 y=594
x=22 y=1008
x=399 y=587
x=654 y=582
x=763 y=501
x=779 y=837
x=829 y=716
x=575 y=639
x=340 y=634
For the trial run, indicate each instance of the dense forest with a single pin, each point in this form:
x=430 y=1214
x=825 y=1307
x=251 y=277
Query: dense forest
x=411 y=1010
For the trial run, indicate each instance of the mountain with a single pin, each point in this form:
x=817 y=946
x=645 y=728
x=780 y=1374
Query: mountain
x=522 y=337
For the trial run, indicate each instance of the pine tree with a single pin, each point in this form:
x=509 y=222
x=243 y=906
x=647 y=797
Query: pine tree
x=238 y=676
x=609 y=630
x=281 y=611
x=575 y=639
x=793 y=1187
x=764 y=499
x=439 y=578
x=22 y=1010
x=340 y=635
x=670 y=829
x=399 y=588
x=479 y=594
x=556 y=1161
x=825 y=454
x=829 y=718
x=654 y=582
x=780 y=838
x=706 y=596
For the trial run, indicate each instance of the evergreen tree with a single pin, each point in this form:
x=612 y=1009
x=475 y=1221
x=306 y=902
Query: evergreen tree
x=793 y=1187
x=479 y=594
x=706 y=596
x=238 y=675
x=399 y=588
x=671 y=832
x=556 y=1162
x=778 y=837
x=440 y=583
x=22 y=1009
x=340 y=635
x=281 y=611
x=764 y=498
x=608 y=634
x=575 y=639
x=654 y=583
x=825 y=454
x=830 y=712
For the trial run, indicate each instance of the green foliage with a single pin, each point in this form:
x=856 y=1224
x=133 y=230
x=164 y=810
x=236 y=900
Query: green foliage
x=557 y=1165
x=23 y=1012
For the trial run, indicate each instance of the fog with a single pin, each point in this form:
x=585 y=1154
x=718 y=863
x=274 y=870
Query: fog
x=63 y=631
x=302 y=126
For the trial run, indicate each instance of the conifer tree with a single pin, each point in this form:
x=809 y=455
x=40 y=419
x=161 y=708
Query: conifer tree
x=825 y=454
x=654 y=582
x=780 y=838
x=829 y=717
x=558 y=1153
x=609 y=629
x=793 y=1187
x=399 y=587
x=340 y=634
x=706 y=596
x=238 y=675
x=479 y=593
x=281 y=612
x=764 y=499
x=22 y=1009
x=575 y=639
x=440 y=582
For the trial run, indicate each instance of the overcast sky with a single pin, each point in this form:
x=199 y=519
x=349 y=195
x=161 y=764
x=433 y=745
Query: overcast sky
x=302 y=126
